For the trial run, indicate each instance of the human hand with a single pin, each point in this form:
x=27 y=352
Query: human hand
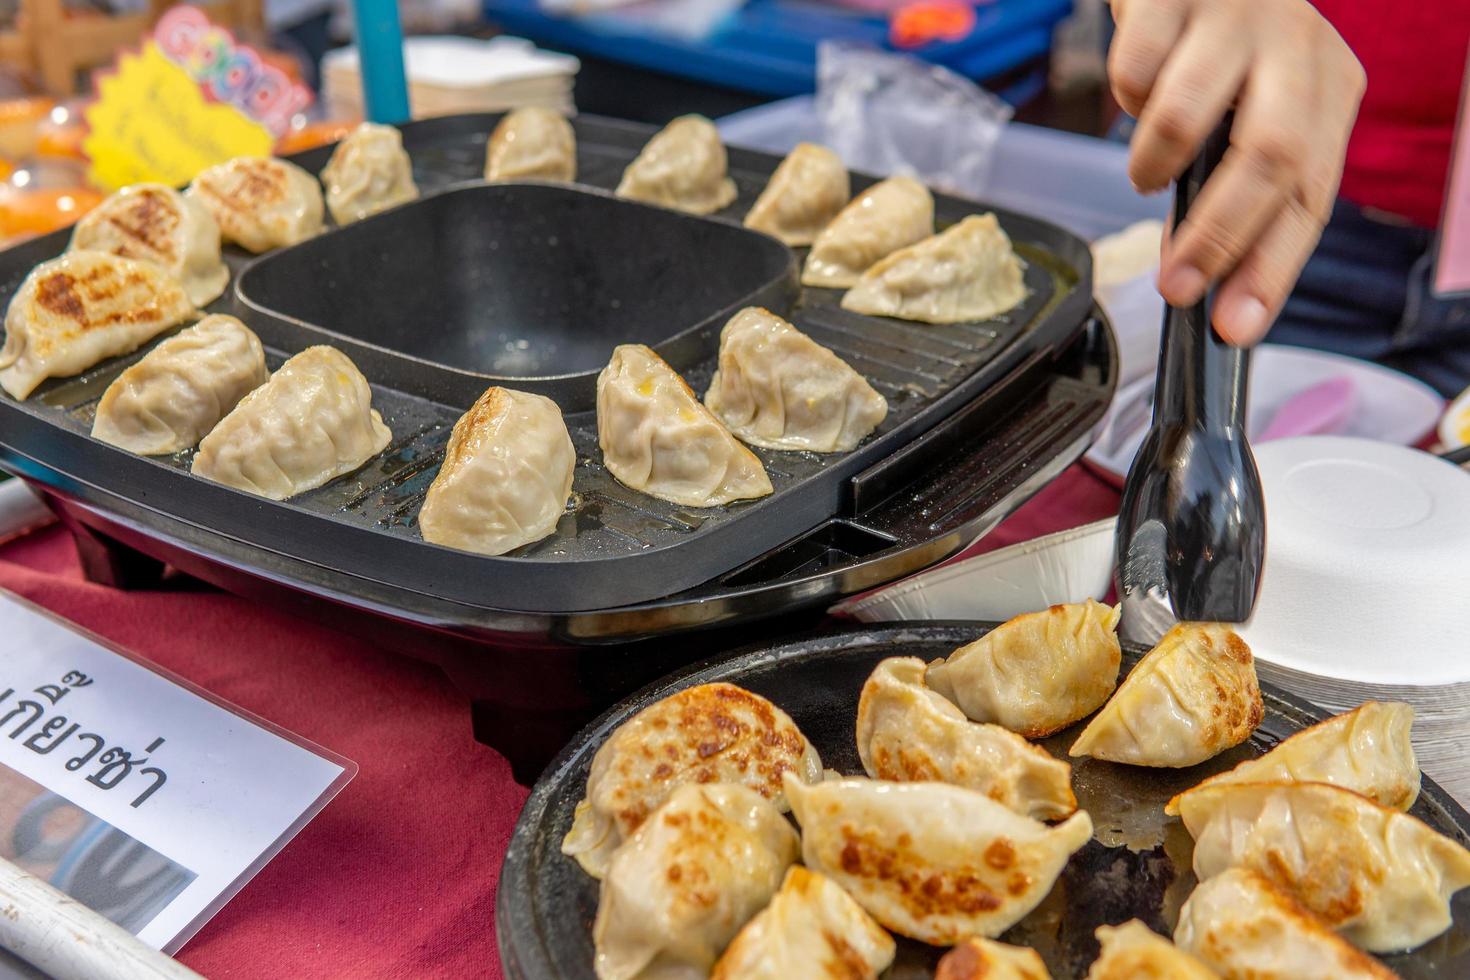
x=1179 y=66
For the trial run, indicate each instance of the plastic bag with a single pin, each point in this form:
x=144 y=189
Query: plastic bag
x=890 y=113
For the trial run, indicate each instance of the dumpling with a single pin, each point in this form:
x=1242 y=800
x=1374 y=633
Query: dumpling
x=532 y=142
x=1037 y=673
x=80 y=309
x=1248 y=929
x=1380 y=877
x=967 y=272
x=710 y=733
x=1366 y=750
x=884 y=218
x=682 y=167
x=260 y=203
x=930 y=861
x=657 y=438
x=907 y=733
x=369 y=172
x=804 y=194
x=506 y=476
x=312 y=422
x=154 y=223
x=1133 y=951
x=686 y=882
x=180 y=390
x=986 y=959
x=812 y=929
x=778 y=388
x=1192 y=697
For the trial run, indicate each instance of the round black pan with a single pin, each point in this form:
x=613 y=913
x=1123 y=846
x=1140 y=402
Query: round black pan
x=1137 y=865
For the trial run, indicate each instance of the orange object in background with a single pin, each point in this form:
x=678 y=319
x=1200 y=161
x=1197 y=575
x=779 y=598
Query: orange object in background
x=20 y=120
x=61 y=133
x=24 y=213
x=917 y=24
x=312 y=135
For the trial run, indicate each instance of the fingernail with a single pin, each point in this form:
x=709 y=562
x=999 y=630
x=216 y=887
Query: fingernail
x=1244 y=319
x=1182 y=285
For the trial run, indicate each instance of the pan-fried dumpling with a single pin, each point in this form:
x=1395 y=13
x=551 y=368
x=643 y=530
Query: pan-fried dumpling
x=804 y=194
x=1380 y=877
x=710 y=733
x=369 y=172
x=687 y=881
x=884 y=218
x=813 y=930
x=1248 y=929
x=657 y=438
x=312 y=422
x=907 y=733
x=260 y=203
x=506 y=476
x=682 y=167
x=1133 y=951
x=778 y=388
x=82 y=308
x=180 y=390
x=1192 y=697
x=967 y=272
x=930 y=861
x=154 y=223
x=985 y=959
x=1037 y=673
x=532 y=142
x=1366 y=750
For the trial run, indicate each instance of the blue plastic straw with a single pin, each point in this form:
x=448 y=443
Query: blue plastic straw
x=380 y=48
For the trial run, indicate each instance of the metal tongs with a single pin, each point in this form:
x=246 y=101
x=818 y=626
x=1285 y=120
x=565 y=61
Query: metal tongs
x=1191 y=536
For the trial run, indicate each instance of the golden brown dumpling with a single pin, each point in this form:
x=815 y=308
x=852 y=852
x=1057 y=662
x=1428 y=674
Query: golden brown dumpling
x=907 y=733
x=803 y=196
x=532 y=142
x=260 y=203
x=78 y=310
x=966 y=272
x=682 y=167
x=1133 y=951
x=986 y=959
x=711 y=733
x=369 y=172
x=1366 y=750
x=884 y=218
x=1192 y=697
x=157 y=224
x=1037 y=673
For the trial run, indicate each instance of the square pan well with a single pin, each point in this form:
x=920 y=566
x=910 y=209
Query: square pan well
x=615 y=547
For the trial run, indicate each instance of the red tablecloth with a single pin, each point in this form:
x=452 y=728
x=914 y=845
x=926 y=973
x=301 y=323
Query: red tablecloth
x=396 y=877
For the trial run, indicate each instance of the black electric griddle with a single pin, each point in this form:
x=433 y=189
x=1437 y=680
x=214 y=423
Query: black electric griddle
x=438 y=299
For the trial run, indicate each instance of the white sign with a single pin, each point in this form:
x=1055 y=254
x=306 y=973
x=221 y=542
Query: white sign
x=197 y=795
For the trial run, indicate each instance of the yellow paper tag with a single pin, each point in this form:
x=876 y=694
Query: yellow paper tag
x=151 y=122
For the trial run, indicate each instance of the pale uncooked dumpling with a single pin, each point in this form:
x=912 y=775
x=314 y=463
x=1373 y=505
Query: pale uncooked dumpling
x=985 y=959
x=803 y=196
x=180 y=390
x=1133 y=951
x=907 y=733
x=657 y=438
x=532 y=142
x=779 y=389
x=77 y=310
x=682 y=167
x=1037 y=673
x=966 y=272
x=369 y=172
x=260 y=203
x=1366 y=750
x=710 y=733
x=884 y=218
x=1249 y=929
x=154 y=223
x=1380 y=877
x=506 y=476
x=687 y=881
x=1192 y=697
x=812 y=930
x=312 y=422
x=930 y=861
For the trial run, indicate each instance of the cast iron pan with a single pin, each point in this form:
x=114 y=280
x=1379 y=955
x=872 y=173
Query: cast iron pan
x=1137 y=865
